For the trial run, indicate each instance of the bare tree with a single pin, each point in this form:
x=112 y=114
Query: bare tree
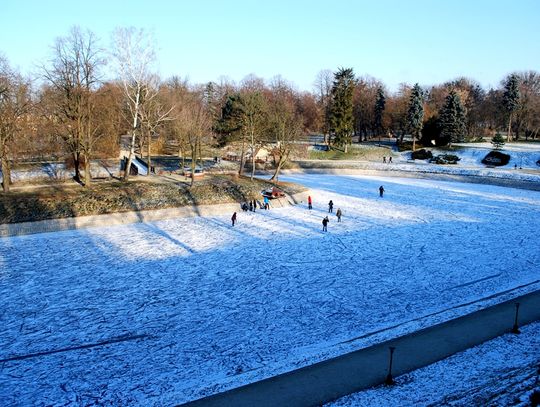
x=133 y=52
x=285 y=124
x=73 y=75
x=195 y=122
x=15 y=102
x=323 y=89
x=153 y=114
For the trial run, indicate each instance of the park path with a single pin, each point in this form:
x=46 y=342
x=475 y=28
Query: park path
x=326 y=381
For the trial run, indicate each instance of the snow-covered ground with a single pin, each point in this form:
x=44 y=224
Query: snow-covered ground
x=501 y=372
x=166 y=312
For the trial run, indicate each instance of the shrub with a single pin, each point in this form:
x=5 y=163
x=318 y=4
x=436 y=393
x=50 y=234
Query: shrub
x=445 y=159
x=496 y=158
x=422 y=154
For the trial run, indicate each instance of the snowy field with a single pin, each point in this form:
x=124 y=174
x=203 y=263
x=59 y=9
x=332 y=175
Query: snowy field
x=501 y=372
x=167 y=312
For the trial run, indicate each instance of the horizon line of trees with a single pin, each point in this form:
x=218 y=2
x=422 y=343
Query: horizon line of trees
x=70 y=113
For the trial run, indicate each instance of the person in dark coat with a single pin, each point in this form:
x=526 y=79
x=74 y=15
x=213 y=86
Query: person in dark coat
x=233 y=218
x=325 y=224
x=254 y=205
x=330 y=206
x=250 y=206
x=381 y=191
x=309 y=202
x=338 y=214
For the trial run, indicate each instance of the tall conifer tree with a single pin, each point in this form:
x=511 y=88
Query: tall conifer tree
x=452 y=119
x=511 y=98
x=341 y=109
x=380 y=103
x=415 y=113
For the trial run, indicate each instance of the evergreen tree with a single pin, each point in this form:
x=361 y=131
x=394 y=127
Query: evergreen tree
x=511 y=98
x=380 y=103
x=452 y=119
x=415 y=113
x=497 y=140
x=341 y=119
x=229 y=126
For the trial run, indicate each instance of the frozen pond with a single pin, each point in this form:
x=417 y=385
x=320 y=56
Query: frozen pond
x=169 y=311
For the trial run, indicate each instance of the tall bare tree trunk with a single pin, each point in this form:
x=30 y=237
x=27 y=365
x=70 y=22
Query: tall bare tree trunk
x=87 y=171
x=133 y=136
x=282 y=161
x=77 y=166
x=6 y=174
x=149 y=154
x=509 y=128
x=241 y=170
x=193 y=159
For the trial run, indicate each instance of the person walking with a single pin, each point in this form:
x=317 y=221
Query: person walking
x=254 y=205
x=338 y=214
x=390 y=159
x=251 y=206
x=330 y=206
x=233 y=218
x=384 y=159
x=266 y=203
x=309 y=202
x=325 y=224
x=381 y=191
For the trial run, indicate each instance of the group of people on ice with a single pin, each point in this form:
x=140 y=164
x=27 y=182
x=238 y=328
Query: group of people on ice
x=339 y=212
x=326 y=220
x=252 y=206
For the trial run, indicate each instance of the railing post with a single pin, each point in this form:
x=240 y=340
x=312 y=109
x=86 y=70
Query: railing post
x=515 y=328
x=389 y=379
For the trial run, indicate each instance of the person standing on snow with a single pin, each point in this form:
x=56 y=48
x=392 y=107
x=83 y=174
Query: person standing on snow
x=309 y=202
x=338 y=214
x=381 y=191
x=330 y=206
x=325 y=224
x=266 y=203
x=233 y=218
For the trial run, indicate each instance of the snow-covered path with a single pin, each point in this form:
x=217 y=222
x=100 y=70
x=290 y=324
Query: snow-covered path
x=194 y=306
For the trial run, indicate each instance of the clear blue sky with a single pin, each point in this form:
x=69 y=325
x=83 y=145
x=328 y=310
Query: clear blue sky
x=425 y=41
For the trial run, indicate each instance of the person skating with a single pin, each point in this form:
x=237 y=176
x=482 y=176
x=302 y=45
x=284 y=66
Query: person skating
x=309 y=202
x=390 y=159
x=381 y=191
x=330 y=206
x=338 y=214
x=325 y=224
x=233 y=218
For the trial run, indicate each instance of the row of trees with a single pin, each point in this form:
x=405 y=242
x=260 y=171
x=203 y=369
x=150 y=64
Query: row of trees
x=456 y=111
x=70 y=111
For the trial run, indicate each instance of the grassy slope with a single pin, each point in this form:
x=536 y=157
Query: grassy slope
x=69 y=201
x=367 y=153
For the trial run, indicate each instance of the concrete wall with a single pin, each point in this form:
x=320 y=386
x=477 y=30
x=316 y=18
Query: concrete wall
x=122 y=218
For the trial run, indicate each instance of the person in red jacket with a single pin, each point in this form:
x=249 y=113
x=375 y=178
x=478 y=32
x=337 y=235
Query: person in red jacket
x=309 y=202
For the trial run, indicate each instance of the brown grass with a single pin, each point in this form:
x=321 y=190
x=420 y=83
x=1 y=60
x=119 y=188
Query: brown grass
x=63 y=201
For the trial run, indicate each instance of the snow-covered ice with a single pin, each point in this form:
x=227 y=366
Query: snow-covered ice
x=166 y=312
